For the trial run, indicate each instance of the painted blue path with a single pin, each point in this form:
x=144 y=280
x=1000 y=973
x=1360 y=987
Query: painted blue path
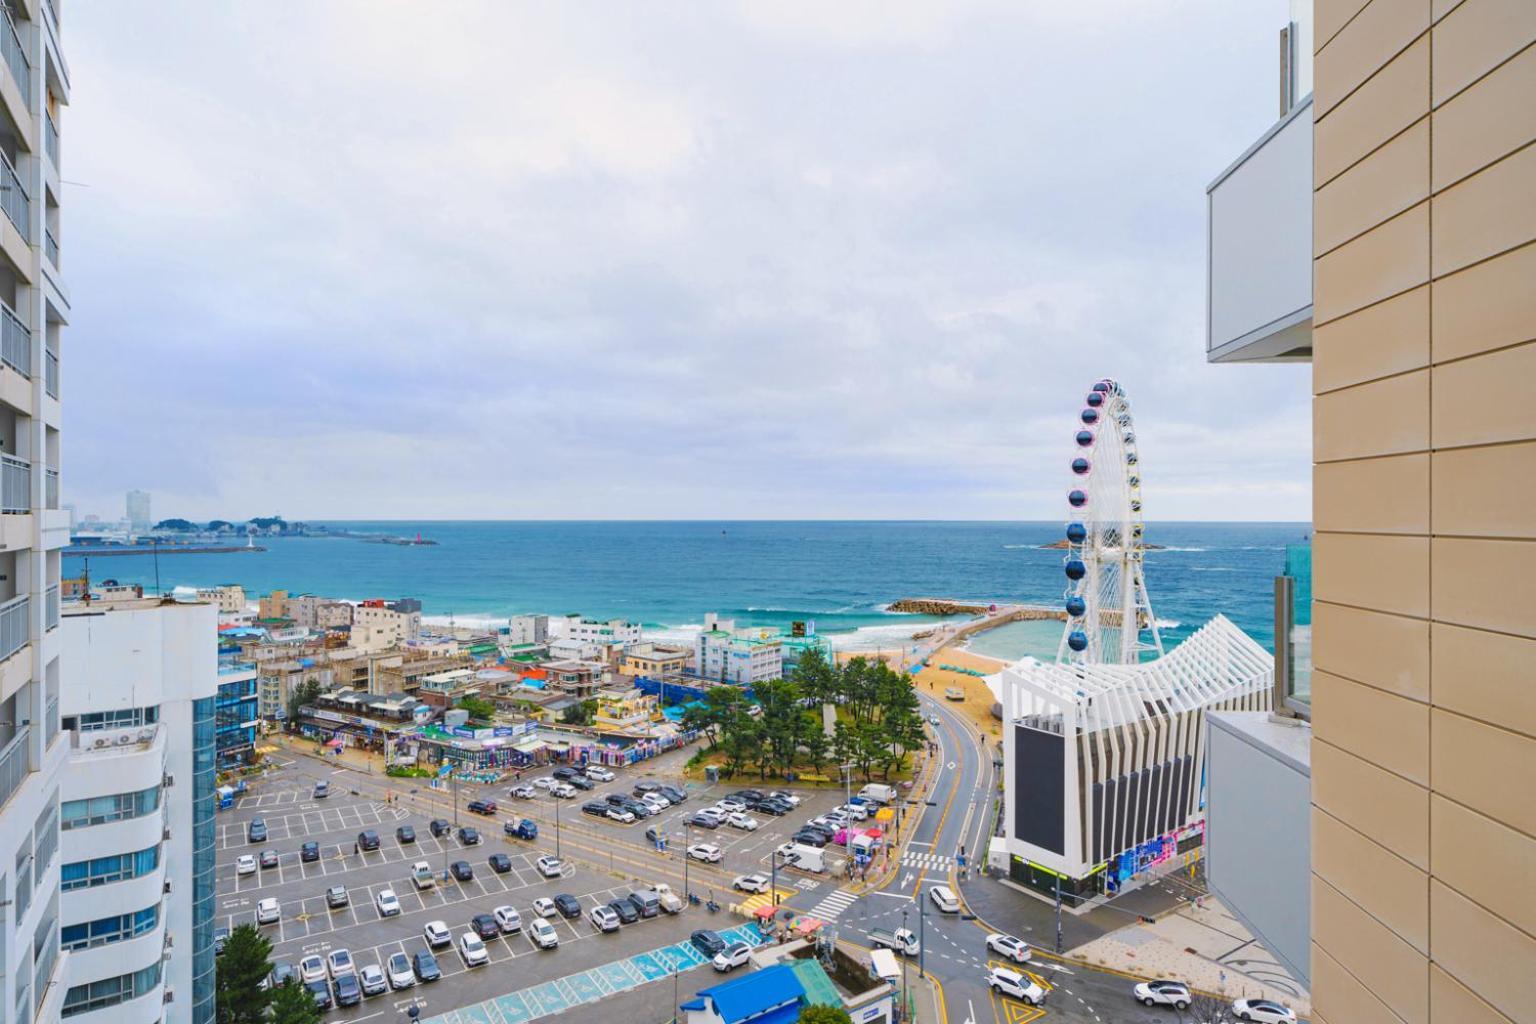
x=589 y=986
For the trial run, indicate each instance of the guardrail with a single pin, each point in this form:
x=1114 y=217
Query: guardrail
x=51 y=489
x=51 y=372
x=51 y=607
x=13 y=626
x=15 y=485
x=15 y=763
x=16 y=58
x=50 y=246
x=15 y=342
x=13 y=196
x=51 y=138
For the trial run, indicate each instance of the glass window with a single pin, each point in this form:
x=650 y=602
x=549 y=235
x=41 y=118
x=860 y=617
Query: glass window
x=98 y=810
x=107 y=930
x=1293 y=637
x=106 y=870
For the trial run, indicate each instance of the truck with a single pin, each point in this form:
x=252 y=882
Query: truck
x=524 y=829
x=807 y=858
x=900 y=940
x=421 y=875
x=671 y=902
x=878 y=792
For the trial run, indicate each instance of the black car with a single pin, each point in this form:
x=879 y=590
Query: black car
x=348 y=991
x=617 y=799
x=810 y=837
x=309 y=851
x=596 y=808
x=425 y=966
x=704 y=821
x=582 y=782
x=500 y=863
x=568 y=905
x=647 y=786
x=322 y=993
x=268 y=859
x=461 y=870
x=707 y=942
x=626 y=911
x=564 y=774
x=469 y=836
x=282 y=972
x=777 y=808
x=481 y=806
x=644 y=907
x=440 y=828
x=405 y=835
x=638 y=809
x=673 y=794
x=485 y=926
x=256 y=832
x=368 y=839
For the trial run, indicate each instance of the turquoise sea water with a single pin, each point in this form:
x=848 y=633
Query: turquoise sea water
x=668 y=575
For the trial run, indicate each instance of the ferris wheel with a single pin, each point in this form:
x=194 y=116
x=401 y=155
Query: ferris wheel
x=1109 y=614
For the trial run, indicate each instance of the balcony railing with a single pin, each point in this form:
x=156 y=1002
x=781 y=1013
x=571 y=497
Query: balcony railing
x=51 y=490
x=51 y=371
x=51 y=722
x=13 y=195
x=51 y=139
x=51 y=606
x=15 y=763
x=15 y=485
x=16 y=58
x=15 y=342
x=13 y=626
x=46 y=957
x=50 y=246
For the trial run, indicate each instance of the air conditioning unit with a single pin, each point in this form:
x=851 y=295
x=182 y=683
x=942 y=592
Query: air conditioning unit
x=145 y=735
x=167 y=886
x=101 y=741
x=168 y=781
x=124 y=739
x=165 y=835
x=170 y=995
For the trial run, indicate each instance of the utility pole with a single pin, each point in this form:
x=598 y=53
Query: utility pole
x=922 y=946
x=687 y=842
x=905 y=1006
x=557 y=823
x=1058 y=915
x=847 y=799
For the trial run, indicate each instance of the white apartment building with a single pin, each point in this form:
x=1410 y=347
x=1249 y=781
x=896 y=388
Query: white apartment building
x=528 y=629
x=137 y=806
x=610 y=634
x=229 y=597
x=377 y=627
x=34 y=307
x=138 y=511
x=724 y=654
x=311 y=612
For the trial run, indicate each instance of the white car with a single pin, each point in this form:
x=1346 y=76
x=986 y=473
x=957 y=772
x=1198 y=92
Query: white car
x=732 y=956
x=603 y=919
x=1011 y=983
x=750 y=883
x=544 y=907
x=790 y=798
x=372 y=980
x=437 y=934
x=267 y=911
x=599 y=773
x=620 y=815
x=707 y=852
x=508 y=920
x=787 y=853
x=656 y=802
x=524 y=792
x=825 y=821
x=550 y=867
x=563 y=790
x=745 y=822
x=399 y=970
x=473 y=950
x=545 y=782
x=543 y=934
x=1263 y=1011
x=855 y=811
x=312 y=968
x=339 y=962
x=387 y=902
x=731 y=804
x=1162 y=993
x=944 y=898
x=1009 y=947
x=245 y=864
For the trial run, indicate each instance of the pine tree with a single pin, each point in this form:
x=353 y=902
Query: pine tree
x=292 y=1003
x=242 y=967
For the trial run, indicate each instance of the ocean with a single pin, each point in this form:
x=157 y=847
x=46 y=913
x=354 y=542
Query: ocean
x=667 y=575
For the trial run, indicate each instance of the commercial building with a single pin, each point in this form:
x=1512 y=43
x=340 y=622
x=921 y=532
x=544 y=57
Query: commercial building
x=724 y=654
x=1106 y=763
x=137 y=809
x=228 y=597
x=612 y=633
x=655 y=660
x=34 y=309
x=1414 y=161
x=626 y=711
x=311 y=612
x=528 y=629
x=138 y=511
x=376 y=626
x=237 y=712
x=273 y=606
x=789 y=977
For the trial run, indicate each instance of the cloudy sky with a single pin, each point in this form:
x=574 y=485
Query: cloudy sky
x=570 y=260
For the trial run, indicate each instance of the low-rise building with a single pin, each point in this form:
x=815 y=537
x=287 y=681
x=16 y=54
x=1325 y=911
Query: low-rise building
x=237 y=711
x=273 y=606
x=724 y=654
x=229 y=598
x=312 y=612
x=376 y=626
x=579 y=679
x=655 y=660
x=445 y=689
x=626 y=711
x=789 y=978
x=528 y=629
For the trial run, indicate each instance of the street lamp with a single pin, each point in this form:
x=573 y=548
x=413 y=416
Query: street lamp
x=922 y=947
x=556 y=799
x=904 y=1004
x=687 y=842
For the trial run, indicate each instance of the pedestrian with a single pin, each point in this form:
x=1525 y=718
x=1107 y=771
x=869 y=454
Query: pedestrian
x=355 y=850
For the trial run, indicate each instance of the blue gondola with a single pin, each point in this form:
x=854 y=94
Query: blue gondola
x=1077 y=533
x=1077 y=499
x=1076 y=606
x=1090 y=416
x=1077 y=640
x=1076 y=570
x=1079 y=466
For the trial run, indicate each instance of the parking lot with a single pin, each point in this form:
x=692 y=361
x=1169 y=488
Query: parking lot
x=603 y=860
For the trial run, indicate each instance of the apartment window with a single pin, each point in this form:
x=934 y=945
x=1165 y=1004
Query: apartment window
x=98 y=810
x=107 y=930
x=86 y=874
x=1293 y=632
x=111 y=991
x=123 y=718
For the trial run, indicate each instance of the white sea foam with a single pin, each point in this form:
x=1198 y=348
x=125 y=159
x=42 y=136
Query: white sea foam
x=1168 y=623
x=1172 y=548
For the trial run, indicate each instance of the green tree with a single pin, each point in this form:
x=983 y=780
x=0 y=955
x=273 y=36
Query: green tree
x=177 y=525
x=581 y=713
x=819 y=1013
x=304 y=694
x=818 y=678
x=292 y=1003
x=243 y=966
x=480 y=709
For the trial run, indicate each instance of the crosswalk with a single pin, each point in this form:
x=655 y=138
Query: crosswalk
x=927 y=861
x=833 y=904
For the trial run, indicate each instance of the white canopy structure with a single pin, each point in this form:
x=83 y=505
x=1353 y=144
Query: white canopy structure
x=1105 y=762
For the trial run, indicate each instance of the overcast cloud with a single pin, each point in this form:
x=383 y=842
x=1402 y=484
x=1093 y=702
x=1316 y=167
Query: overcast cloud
x=569 y=260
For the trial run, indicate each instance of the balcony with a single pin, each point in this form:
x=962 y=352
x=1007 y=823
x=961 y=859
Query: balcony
x=51 y=490
x=15 y=486
x=15 y=341
x=1259 y=248
x=16 y=58
x=51 y=607
x=51 y=140
x=15 y=763
x=51 y=247
x=13 y=625
x=51 y=371
x=13 y=195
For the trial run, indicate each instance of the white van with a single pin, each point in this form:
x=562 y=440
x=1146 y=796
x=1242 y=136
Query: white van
x=879 y=792
x=944 y=898
x=807 y=858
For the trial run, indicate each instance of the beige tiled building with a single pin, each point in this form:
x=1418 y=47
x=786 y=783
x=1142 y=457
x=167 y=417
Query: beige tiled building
x=1421 y=326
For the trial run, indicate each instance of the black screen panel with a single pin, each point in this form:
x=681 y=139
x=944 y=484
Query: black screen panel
x=1038 y=794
